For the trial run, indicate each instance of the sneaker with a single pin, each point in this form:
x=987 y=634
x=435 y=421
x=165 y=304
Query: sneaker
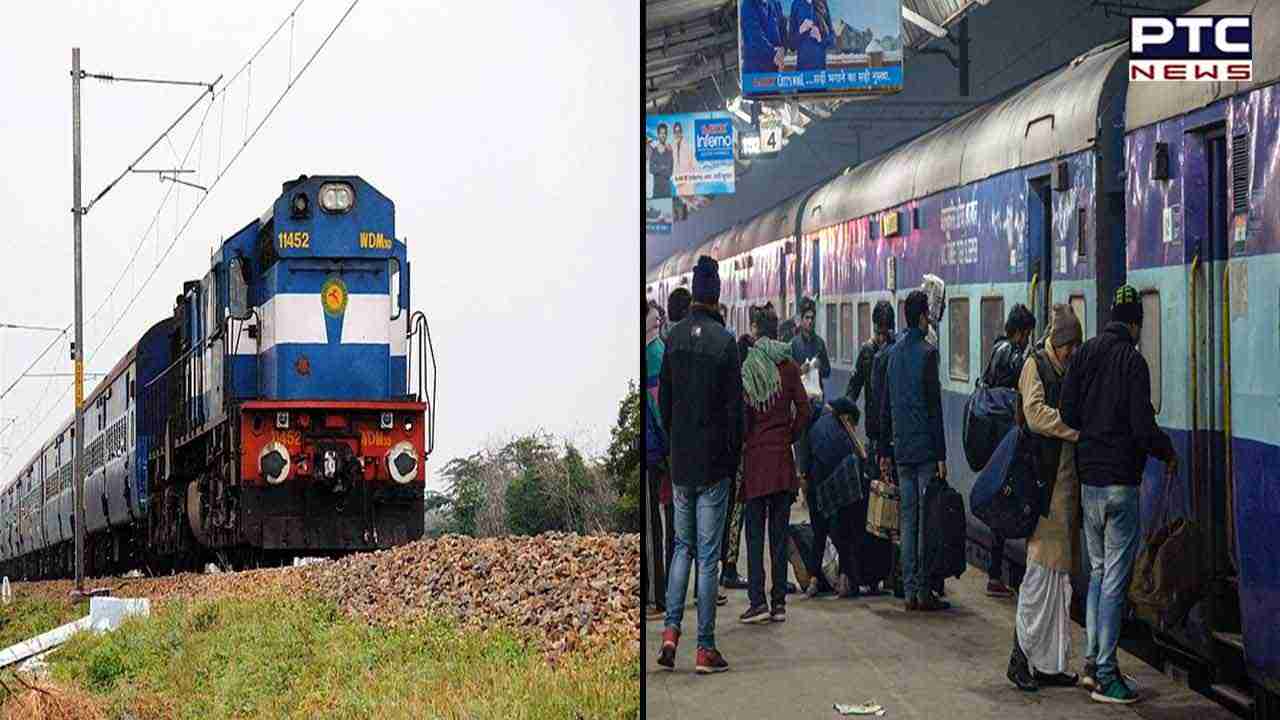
x=754 y=614
x=1116 y=692
x=778 y=613
x=667 y=656
x=710 y=661
x=930 y=603
x=721 y=599
x=812 y=588
x=997 y=589
x=732 y=582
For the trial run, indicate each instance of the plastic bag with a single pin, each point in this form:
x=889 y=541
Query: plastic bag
x=809 y=376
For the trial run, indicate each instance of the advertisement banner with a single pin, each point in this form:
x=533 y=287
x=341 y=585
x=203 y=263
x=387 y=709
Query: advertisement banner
x=790 y=48
x=689 y=154
x=658 y=216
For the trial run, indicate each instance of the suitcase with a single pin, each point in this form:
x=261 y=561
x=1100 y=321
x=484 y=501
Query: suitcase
x=945 y=531
x=882 y=511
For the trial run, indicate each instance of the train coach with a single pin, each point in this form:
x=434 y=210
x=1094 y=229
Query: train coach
x=285 y=407
x=1058 y=193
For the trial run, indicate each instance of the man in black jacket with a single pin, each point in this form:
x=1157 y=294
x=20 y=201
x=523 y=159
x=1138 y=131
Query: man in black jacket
x=1003 y=370
x=911 y=413
x=700 y=399
x=1107 y=394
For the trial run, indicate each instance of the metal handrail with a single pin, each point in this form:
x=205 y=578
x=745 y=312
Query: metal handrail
x=422 y=330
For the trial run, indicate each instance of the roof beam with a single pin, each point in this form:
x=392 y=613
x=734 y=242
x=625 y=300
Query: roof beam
x=714 y=65
x=923 y=22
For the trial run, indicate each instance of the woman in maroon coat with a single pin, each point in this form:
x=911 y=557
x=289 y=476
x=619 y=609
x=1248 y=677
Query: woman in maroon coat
x=777 y=410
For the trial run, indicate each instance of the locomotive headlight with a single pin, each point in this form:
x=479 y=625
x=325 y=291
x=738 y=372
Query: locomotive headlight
x=387 y=421
x=300 y=205
x=336 y=197
x=273 y=461
x=402 y=462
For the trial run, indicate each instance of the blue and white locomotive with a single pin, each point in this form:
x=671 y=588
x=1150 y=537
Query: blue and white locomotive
x=279 y=410
x=1059 y=193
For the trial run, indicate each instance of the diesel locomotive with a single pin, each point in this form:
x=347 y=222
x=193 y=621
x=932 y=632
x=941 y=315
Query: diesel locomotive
x=1058 y=193
x=285 y=407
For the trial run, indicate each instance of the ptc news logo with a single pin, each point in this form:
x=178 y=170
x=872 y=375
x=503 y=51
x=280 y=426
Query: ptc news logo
x=1191 y=47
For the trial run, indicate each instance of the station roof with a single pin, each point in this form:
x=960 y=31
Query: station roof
x=689 y=41
x=1151 y=102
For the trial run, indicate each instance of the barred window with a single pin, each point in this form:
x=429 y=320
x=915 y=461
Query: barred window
x=992 y=310
x=1149 y=342
x=833 y=334
x=846 y=332
x=958 y=341
x=864 y=322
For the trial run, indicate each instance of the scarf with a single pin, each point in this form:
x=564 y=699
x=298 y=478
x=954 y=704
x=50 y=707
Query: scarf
x=761 y=381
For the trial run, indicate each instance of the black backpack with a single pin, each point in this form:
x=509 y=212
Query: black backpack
x=944 y=548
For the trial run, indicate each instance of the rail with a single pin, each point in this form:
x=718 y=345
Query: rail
x=420 y=333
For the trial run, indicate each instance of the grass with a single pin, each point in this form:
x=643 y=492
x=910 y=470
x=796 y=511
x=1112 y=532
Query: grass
x=301 y=658
x=25 y=618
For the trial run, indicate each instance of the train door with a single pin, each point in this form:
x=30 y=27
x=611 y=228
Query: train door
x=1039 y=249
x=1213 y=421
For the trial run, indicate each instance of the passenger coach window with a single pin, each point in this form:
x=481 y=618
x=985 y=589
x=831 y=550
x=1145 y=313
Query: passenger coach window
x=992 y=310
x=1149 y=341
x=864 y=323
x=833 y=334
x=958 y=340
x=846 y=332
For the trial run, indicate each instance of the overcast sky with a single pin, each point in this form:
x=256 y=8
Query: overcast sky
x=503 y=132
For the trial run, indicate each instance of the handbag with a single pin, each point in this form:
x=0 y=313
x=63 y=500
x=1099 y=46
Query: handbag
x=1167 y=580
x=882 y=510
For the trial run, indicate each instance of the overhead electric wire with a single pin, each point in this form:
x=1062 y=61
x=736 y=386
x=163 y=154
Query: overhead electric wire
x=221 y=173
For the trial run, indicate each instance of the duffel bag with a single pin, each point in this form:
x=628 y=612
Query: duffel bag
x=1007 y=495
x=1167 y=579
x=988 y=417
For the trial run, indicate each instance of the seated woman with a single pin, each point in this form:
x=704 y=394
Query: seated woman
x=835 y=461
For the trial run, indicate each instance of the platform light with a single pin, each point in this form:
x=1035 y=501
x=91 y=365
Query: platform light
x=337 y=197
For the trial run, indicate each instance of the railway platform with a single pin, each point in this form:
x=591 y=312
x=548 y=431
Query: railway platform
x=928 y=666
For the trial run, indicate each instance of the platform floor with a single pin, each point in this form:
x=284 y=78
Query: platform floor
x=948 y=665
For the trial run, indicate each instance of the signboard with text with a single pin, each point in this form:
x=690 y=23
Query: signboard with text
x=790 y=48
x=689 y=154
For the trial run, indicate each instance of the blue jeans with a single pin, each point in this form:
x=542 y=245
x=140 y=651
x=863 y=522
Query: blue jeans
x=1111 y=531
x=913 y=480
x=699 y=513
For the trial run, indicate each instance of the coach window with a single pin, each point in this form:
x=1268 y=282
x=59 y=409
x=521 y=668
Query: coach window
x=864 y=322
x=393 y=272
x=992 y=311
x=958 y=339
x=832 y=327
x=902 y=316
x=1149 y=341
x=846 y=332
x=1077 y=307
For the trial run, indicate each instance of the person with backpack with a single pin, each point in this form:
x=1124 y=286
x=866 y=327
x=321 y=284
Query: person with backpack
x=1004 y=369
x=912 y=414
x=1042 y=627
x=700 y=404
x=777 y=409
x=1106 y=394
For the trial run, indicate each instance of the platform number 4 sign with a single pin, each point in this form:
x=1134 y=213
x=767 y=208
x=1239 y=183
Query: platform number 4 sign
x=770 y=139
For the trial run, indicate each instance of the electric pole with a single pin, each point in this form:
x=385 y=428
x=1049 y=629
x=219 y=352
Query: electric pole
x=77 y=452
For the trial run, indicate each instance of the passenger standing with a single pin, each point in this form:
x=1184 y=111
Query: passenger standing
x=861 y=382
x=677 y=309
x=1042 y=637
x=1004 y=369
x=700 y=395
x=777 y=409
x=912 y=413
x=807 y=345
x=1107 y=395
x=655 y=462
x=879 y=434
